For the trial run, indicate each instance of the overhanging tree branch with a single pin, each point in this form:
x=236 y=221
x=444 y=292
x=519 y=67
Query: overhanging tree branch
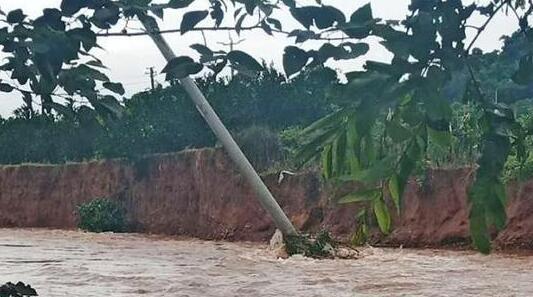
x=203 y=29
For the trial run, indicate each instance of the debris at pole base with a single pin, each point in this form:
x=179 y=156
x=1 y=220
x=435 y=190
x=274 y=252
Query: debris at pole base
x=319 y=246
x=277 y=245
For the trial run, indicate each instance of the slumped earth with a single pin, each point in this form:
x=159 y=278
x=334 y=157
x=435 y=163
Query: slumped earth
x=70 y=263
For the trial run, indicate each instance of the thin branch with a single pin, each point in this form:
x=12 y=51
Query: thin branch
x=202 y=29
x=109 y=34
x=482 y=28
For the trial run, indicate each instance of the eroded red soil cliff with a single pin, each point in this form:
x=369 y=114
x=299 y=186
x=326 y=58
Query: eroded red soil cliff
x=198 y=193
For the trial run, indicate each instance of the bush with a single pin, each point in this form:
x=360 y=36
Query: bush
x=320 y=246
x=101 y=215
x=516 y=171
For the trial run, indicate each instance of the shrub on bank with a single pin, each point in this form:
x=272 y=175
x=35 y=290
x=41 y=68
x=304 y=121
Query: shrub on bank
x=101 y=215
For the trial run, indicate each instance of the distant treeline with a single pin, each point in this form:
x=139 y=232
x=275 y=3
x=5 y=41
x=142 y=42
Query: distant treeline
x=165 y=120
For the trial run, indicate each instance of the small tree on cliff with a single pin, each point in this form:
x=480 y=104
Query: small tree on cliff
x=50 y=58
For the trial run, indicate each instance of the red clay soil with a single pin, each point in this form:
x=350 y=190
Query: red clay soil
x=198 y=193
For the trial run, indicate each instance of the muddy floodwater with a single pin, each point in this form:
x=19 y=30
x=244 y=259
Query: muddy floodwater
x=69 y=263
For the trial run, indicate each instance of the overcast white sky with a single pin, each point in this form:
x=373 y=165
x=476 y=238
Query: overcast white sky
x=129 y=57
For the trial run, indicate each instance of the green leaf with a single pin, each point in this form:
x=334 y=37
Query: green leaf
x=352 y=143
x=217 y=13
x=378 y=171
x=289 y=3
x=360 y=23
x=114 y=87
x=70 y=7
x=305 y=15
x=7 y=88
x=294 y=59
x=394 y=189
x=244 y=61
x=202 y=49
x=238 y=25
x=327 y=161
x=362 y=15
x=361 y=196
x=321 y=16
x=266 y=27
x=107 y=16
x=328 y=17
x=276 y=23
x=181 y=67
x=382 y=215
x=191 y=19
x=84 y=35
x=303 y=35
x=176 y=4
x=15 y=16
x=96 y=63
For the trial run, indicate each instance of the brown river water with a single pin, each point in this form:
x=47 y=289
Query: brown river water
x=70 y=263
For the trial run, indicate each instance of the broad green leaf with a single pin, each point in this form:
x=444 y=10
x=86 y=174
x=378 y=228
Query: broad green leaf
x=238 y=25
x=275 y=22
x=244 y=61
x=294 y=59
x=266 y=27
x=176 y=4
x=202 y=49
x=114 y=87
x=289 y=3
x=15 y=16
x=394 y=189
x=303 y=35
x=84 y=35
x=339 y=155
x=191 y=19
x=329 y=16
x=362 y=15
x=305 y=15
x=107 y=16
x=360 y=23
x=217 y=13
x=378 y=171
x=7 y=88
x=181 y=67
x=352 y=144
x=327 y=161
x=361 y=196
x=382 y=214
x=70 y=7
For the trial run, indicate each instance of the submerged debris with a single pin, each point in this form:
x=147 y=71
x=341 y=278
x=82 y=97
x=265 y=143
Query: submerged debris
x=17 y=290
x=320 y=246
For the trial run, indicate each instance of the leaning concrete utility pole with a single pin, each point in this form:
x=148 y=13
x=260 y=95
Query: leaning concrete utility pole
x=265 y=197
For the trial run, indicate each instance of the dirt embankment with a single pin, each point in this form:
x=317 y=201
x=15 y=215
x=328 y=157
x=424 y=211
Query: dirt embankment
x=198 y=193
